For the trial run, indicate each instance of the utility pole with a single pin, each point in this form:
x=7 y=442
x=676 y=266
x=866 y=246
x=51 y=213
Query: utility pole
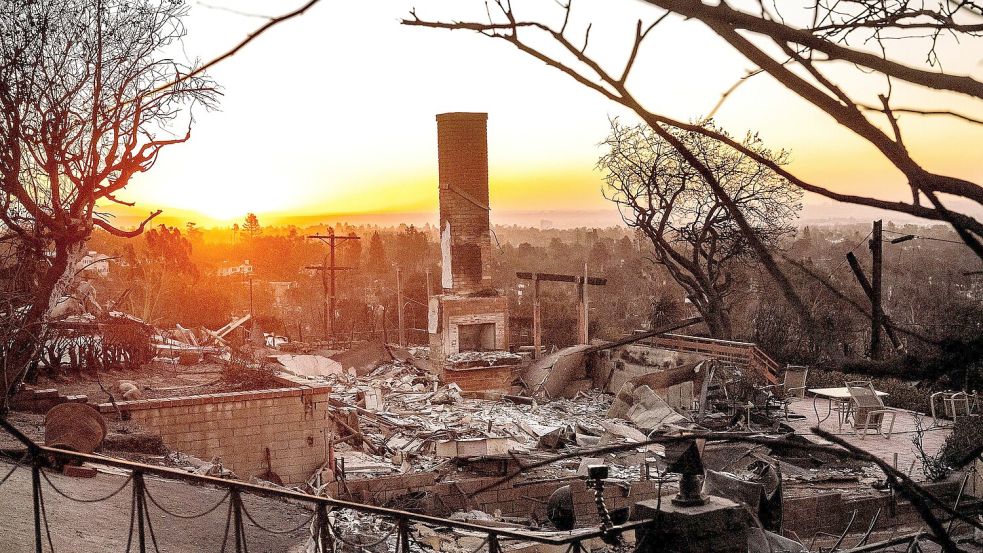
x=399 y=308
x=328 y=270
x=872 y=289
x=876 y=309
x=251 y=296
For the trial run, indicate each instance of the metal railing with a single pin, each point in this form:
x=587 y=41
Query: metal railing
x=325 y=538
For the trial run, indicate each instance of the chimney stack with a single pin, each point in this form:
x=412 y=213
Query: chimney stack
x=465 y=241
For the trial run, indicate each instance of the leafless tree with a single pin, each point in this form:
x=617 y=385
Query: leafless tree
x=798 y=47
x=84 y=111
x=692 y=232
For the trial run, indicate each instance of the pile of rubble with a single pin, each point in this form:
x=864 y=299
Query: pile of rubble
x=405 y=419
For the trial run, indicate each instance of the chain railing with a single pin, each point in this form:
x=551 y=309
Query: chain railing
x=325 y=535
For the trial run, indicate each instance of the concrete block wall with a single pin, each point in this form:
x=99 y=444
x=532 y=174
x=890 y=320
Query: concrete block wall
x=827 y=512
x=511 y=499
x=831 y=512
x=238 y=427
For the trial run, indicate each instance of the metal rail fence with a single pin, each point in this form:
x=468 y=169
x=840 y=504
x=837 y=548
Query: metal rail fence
x=326 y=539
x=142 y=537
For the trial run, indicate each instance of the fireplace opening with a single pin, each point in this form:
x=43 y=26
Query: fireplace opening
x=476 y=337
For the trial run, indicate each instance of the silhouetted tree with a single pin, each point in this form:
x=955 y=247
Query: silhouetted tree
x=376 y=261
x=411 y=248
x=350 y=252
x=164 y=262
x=87 y=101
x=251 y=226
x=193 y=233
x=693 y=232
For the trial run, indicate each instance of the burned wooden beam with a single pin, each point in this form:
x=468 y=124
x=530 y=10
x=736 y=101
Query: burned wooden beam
x=552 y=277
x=582 y=335
x=643 y=335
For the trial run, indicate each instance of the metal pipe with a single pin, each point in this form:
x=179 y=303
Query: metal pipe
x=878 y=546
x=36 y=486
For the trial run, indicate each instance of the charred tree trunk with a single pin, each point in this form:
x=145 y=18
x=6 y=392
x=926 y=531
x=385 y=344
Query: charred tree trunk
x=716 y=316
x=28 y=340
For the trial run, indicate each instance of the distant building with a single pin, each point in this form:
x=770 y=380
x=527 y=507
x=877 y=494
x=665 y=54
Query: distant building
x=242 y=269
x=94 y=264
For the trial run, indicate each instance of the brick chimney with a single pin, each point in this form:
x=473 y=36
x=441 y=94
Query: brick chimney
x=462 y=153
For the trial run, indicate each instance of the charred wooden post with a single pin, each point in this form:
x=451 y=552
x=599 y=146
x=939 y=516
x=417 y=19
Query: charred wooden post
x=399 y=308
x=581 y=281
x=537 y=319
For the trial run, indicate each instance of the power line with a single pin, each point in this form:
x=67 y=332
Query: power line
x=844 y=262
x=926 y=237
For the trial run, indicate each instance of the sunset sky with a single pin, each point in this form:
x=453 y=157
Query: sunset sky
x=333 y=112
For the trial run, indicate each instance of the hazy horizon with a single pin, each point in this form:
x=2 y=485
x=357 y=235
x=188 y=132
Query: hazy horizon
x=821 y=212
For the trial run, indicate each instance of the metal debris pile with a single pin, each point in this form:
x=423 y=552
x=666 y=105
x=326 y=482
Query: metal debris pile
x=487 y=358
x=406 y=419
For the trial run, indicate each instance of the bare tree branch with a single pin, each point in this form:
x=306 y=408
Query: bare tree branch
x=126 y=233
x=273 y=21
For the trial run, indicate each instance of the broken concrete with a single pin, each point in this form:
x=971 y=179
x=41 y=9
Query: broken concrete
x=645 y=408
x=310 y=365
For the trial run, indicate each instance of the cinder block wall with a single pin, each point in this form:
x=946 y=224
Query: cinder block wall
x=511 y=499
x=831 y=512
x=292 y=422
x=828 y=512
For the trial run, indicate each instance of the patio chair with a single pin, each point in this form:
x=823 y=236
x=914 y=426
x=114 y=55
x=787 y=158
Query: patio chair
x=793 y=387
x=955 y=404
x=869 y=412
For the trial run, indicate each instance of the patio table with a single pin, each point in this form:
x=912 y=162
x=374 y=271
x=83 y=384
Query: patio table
x=842 y=398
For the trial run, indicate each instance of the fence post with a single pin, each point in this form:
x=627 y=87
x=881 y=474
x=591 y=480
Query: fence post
x=237 y=519
x=493 y=545
x=36 y=485
x=403 y=543
x=138 y=506
x=323 y=542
